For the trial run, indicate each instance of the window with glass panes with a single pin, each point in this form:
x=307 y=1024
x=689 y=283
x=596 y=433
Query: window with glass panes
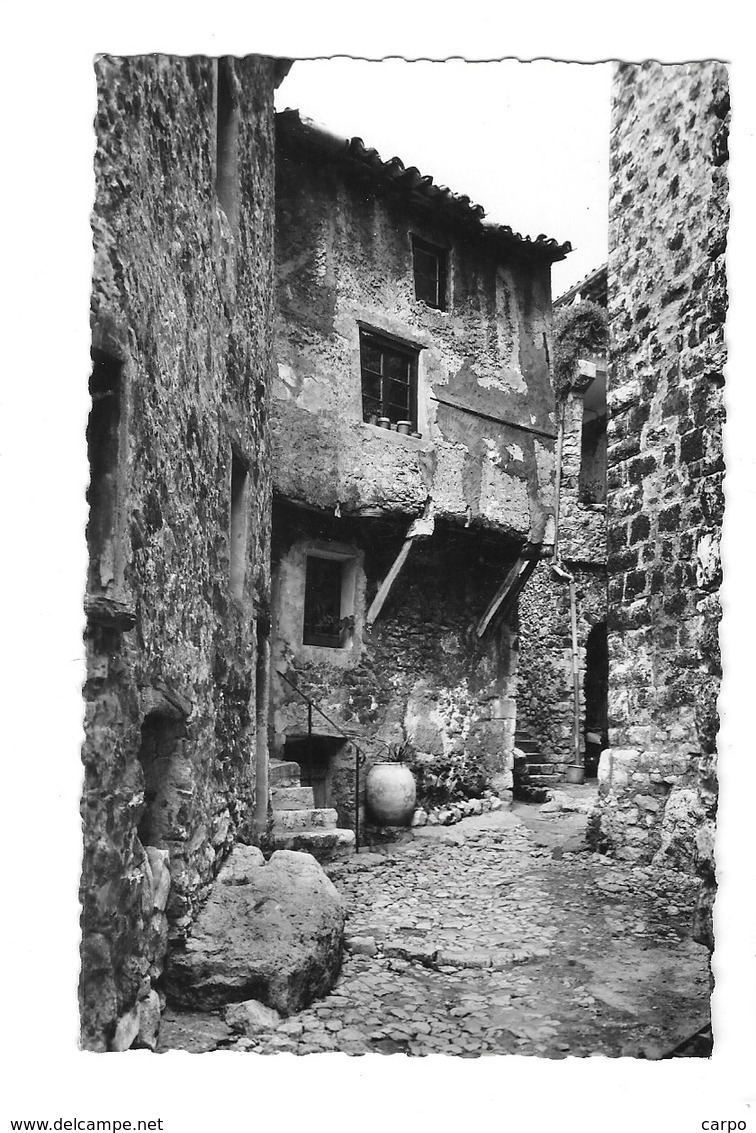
x=389 y=379
x=429 y=263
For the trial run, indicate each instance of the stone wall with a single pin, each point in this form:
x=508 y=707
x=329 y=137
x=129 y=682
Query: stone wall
x=179 y=509
x=667 y=303
x=544 y=681
x=420 y=674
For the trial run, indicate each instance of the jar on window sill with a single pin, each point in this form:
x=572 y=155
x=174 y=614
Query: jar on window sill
x=404 y=427
x=383 y=423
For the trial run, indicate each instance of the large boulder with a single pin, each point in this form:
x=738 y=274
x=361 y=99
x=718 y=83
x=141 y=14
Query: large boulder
x=272 y=932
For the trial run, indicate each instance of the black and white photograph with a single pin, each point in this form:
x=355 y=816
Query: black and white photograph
x=404 y=581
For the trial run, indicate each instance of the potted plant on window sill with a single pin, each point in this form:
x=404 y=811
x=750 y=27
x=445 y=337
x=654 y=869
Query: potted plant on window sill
x=390 y=790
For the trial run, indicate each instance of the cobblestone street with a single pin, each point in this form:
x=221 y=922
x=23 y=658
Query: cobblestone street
x=501 y=935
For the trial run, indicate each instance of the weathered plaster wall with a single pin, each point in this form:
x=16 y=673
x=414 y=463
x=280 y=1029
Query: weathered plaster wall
x=344 y=257
x=182 y=301
x=667 y=303
x=421 y=673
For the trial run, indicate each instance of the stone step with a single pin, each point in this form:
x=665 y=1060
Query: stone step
x=544 y=780
x=312 y=818
x=532 y=794
x=543 y=769
x=283 y=774
x=325 y=845
x=292 y=798
x=529 y=748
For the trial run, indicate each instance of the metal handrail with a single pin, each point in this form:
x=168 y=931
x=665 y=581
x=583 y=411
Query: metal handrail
x=359 y=758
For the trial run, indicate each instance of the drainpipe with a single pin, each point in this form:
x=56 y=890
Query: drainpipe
x=564 y=576
x=262 y=697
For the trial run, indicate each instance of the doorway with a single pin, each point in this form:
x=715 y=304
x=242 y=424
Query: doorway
x=596 y=690
x=325 y=766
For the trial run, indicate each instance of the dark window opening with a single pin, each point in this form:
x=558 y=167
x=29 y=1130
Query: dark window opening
x=389 y=380
x=430 y=268
x=161 y=757
x=238 y=527
x=103 y=431
x=227 y=141
x=323 y=622
x=592 y=487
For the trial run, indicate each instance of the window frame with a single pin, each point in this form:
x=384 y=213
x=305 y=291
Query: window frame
x=348 y=573
x=389 y=346
x=441 y=255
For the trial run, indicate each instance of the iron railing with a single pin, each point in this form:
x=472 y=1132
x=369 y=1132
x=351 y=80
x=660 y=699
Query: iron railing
x=359 y=758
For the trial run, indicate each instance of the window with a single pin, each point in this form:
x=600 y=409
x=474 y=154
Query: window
x=238 y=527
x=325 y=620
x=227 y=141
x=389 y=379
x=429 y=262
x=103 y=443
x=592 y=485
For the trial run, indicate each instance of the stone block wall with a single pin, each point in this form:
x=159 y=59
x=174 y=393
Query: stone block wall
x=420 y=674
x=179 y=509
x=667 y=304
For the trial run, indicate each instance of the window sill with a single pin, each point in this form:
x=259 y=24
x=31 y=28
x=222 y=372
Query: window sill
x=331 y=653
x=588 y=505
x=111 y=613
x=393 y=436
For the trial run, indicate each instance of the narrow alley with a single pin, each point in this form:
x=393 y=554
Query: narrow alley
x=502 y=935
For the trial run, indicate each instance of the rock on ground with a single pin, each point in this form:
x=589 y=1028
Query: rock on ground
x=271 y=932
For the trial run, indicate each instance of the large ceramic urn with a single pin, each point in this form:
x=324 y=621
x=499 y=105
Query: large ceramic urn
x=390 y=794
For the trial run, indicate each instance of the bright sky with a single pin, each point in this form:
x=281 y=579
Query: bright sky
x=527 y=141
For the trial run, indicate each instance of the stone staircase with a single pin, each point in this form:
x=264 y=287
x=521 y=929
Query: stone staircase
x=298 y=824
x=532 y=775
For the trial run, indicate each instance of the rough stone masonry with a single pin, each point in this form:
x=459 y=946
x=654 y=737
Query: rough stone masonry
x=179 y=500
x=667 y=305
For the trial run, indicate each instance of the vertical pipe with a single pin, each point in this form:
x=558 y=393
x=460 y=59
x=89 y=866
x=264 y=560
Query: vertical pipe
x=575 y=674
x=356 y=798
x=261 y=724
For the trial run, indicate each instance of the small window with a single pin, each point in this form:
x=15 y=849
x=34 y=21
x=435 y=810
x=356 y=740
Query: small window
x=430 y=262
x=389 y=380
x=324 y=622
x=227 y=141
x=592 y=484
x=103 y=442
x=238 y=527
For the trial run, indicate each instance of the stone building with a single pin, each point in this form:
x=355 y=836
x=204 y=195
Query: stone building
x=178 y=591
x=413 y=465
x=546 y=736
x=667 y=303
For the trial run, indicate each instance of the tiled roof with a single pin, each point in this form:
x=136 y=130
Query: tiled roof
x=593 y=285
x=409 y=181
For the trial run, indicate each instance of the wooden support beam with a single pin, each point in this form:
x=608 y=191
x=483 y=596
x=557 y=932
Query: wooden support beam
x=422 y=526
x=383 y=591
x=513 y=583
